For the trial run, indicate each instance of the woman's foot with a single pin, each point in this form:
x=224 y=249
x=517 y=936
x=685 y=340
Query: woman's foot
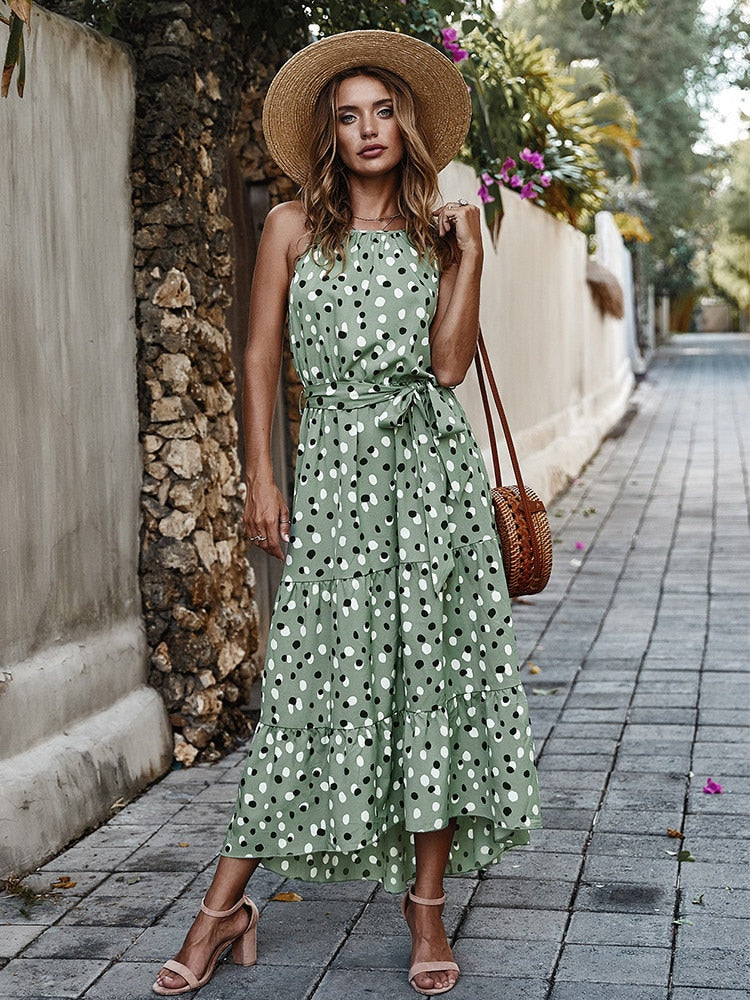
x=208 y=937
x=430 y=946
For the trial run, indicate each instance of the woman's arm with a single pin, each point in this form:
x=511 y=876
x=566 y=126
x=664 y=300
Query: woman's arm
x=264 y=505
x=453 y=334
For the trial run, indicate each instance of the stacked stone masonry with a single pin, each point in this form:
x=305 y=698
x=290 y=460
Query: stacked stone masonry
x=193 y=65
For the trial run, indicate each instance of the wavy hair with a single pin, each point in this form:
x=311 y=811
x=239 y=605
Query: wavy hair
x=325 y=194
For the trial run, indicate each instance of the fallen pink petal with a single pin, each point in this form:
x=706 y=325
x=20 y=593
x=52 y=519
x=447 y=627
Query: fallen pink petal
x=580 y=545
x=712 y=787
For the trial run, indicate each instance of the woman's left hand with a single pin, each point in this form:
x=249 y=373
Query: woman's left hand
x=464 y=221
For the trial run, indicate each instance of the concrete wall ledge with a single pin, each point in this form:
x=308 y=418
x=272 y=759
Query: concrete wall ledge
x=53 y=792
x=60 y=684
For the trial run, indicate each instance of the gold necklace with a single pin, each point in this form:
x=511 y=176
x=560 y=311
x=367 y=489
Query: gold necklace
x=379 y=218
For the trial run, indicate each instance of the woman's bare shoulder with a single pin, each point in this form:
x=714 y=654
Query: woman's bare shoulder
x=287 y=220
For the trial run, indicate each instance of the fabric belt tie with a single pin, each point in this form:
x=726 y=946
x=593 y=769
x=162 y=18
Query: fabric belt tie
x=417 y=406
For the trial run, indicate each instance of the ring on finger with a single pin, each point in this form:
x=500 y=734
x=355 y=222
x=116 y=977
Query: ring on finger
x=462 y=202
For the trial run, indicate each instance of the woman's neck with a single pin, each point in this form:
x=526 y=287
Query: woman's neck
x=374 y=201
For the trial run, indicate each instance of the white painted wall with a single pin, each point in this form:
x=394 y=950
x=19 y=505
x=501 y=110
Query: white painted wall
x=78 y=726
x=564 y=371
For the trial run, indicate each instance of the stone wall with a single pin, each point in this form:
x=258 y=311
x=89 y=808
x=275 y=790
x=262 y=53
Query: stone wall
x=199 y=86
x=196 y=600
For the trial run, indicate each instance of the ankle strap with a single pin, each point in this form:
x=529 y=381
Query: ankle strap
x=426 y=902
x=223 y=913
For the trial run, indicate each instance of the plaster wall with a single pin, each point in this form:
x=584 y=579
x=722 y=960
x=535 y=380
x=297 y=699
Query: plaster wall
x=564 y=371
x=78 y=726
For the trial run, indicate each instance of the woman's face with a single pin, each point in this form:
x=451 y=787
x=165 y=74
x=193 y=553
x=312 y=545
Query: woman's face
x=367 y=134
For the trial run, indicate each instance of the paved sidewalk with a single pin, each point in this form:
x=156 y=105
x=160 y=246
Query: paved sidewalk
x=642 y=641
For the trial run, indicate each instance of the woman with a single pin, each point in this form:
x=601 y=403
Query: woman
x=394 y=742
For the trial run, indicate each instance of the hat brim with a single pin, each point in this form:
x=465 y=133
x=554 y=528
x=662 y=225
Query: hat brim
x=440 y=89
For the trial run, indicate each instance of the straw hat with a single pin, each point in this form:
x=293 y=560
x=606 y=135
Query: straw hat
x=444 y=103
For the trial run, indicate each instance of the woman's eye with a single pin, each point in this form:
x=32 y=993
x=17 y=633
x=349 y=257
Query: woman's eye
x=346 y=119
x=386 y=112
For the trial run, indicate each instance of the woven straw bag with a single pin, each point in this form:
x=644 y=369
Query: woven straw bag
x=520 y=516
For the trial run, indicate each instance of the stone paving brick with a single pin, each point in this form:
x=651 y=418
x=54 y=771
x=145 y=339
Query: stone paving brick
x=706 y=824
x=611 y=963
x=594 y=991
x=628 y=845
x=721 y=850
x=542 y=865
x=176 y=858
x=532 y=894
x=717 y=968
x=552 y=841
x=709 y=993
x=362 y=951
x=60 y=977
x=513 y=924
x=704 y=875
x=83 y=942
x=656 y=870
x=637 y=821
x=624 y=897
x=635 y=930
x=15 y=938
x=486 y=956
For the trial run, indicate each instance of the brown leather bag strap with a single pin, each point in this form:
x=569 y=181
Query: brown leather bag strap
x=482 y=360
x=488 y=418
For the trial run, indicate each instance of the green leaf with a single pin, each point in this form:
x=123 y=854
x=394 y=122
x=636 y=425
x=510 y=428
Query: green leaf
x=685 y=855
x=683 y=922
x=698 y=901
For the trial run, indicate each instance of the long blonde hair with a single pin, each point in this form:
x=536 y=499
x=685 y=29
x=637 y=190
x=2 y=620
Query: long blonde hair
x=325 y=194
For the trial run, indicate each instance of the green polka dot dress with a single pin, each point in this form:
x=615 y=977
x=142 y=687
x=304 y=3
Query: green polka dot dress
x=391 y=695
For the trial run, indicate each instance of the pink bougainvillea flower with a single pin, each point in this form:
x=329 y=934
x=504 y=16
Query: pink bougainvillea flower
x=580 y=545
x=506 y=168
x=516 y=181
x=712 y=787
x=545 y=180
x=535 y=159
x=487 y=178
x=528 y=190
x=484 y=194
x=449 y=38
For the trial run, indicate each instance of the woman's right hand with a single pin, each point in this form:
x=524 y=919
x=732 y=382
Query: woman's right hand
x=266 y=517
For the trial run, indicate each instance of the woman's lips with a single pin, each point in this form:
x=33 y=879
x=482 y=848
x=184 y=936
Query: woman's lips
x=371 y=151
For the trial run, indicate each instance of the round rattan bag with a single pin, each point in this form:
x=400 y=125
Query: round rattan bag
x=525 y=539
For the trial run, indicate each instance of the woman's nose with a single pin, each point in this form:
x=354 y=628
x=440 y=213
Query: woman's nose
x=369 y=127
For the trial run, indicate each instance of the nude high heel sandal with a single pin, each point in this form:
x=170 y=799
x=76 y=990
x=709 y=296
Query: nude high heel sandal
x=244 y=950
x=420 y=967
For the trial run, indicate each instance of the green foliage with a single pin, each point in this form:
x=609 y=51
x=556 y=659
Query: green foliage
x=666 y=63
x=524 y=97
x=729 y=260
